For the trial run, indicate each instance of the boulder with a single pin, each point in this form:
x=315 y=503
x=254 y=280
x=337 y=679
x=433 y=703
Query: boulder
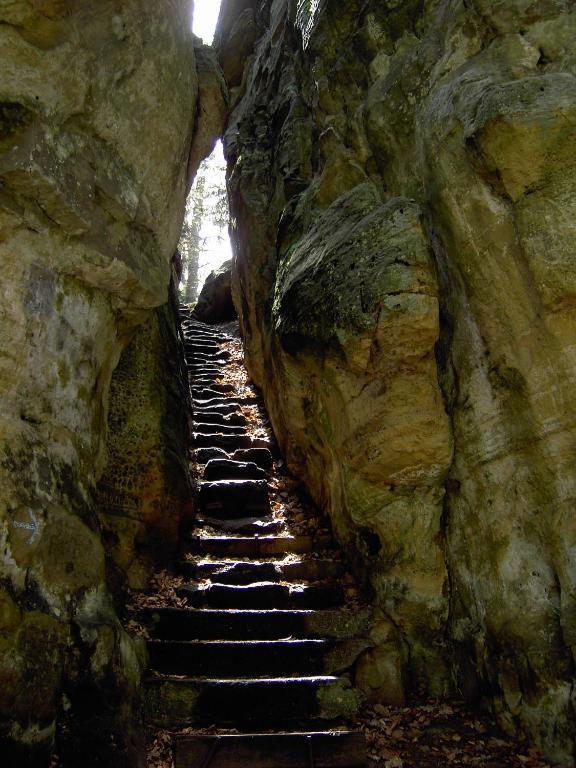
x=214 y=304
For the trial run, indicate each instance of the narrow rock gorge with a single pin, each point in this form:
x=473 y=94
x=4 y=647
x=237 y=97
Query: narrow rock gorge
x=402 y=184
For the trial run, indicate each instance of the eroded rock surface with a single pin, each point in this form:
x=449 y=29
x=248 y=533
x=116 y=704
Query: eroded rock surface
x=402 y=186
x=97 y=107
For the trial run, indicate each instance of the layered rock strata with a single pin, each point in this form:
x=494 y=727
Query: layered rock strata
x=98 y=103
x=402 y=186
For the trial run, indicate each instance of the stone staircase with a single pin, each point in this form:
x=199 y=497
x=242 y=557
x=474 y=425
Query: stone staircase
x=253 y=671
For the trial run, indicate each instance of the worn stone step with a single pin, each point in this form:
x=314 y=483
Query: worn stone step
x=193 y=337
x=202 y=369
x=221 y=429
x=203 y=455
x=202 y=381
x=234 y=498
x=196 y=366
x=206 y=327
x=260 y=456
x=214 y=624
x=262 y=658
x=264 y=526
x=210 y=342
x=202 y=359
x=214 y=417
x=224 y=407
x=263 y=595
x=201 y=346
x=221 y=400
x=210 y=390
x=216 y=387
x=193 y=353
x=250 y=571
x=249 y=546
x=194 y=376
x=227 y=658
x=198 y=350
x=213 y=382
x=225 y=442
x=227 y=469
x=171 y=702
x=320 y=749
x=210 y=330
x=206 y=349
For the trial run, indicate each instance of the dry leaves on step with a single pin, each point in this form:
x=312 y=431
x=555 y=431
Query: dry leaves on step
x=439 y=734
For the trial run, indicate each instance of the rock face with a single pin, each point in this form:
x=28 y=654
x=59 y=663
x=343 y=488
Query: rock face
x=144 y=493
x=402 y=184
x=97 y=108
x=214 y=304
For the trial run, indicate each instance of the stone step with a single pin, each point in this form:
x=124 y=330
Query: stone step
x=211 y=381
x=232 y=443
x=202 y=382
x=214 y=417
x=263 y=595
x=197 y=359
x=213 y=624
x=224 y=406
x=221 y=429
x=320 y=749
x=251 y=571
x=194 y=354
x=227 y=469
x=171 y=702
x=203 y=455
x=194 y=337
x=202 y=369
x=219 y=389
x=195 y=365
x=262 y=658
x=205 y=348
x=221 y=400
x=232 y=499
x=266 y=526
x=260 y=456
x=205 y=327
x=225 y=442
x=249 y=546
x=196 y=376
x=205 y=339
x=201 y=346
x=206 y=352
x=210 y=330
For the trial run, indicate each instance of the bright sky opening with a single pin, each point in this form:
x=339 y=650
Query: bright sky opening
x=217 y=247
x=205 y=18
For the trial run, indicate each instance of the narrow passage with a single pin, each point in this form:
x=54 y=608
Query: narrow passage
x=253 y=635
x=249 y=662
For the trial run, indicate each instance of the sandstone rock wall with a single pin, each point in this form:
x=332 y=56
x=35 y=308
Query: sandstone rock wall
x=98 y=102
x=402 y=184
x=144 y=496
